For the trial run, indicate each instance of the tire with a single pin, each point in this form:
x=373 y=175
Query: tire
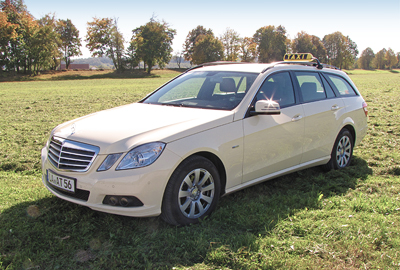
x=192 y=192
x=342 y=151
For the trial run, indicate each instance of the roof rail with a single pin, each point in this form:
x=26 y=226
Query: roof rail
x=217 y=63
x=330 y=66
x=311 y=62
x=314 y=64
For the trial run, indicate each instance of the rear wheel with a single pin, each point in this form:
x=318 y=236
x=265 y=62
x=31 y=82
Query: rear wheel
x=192 y=192
x=342 y=151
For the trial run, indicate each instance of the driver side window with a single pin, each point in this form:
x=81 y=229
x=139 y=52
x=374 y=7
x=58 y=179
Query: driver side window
x=279 y=88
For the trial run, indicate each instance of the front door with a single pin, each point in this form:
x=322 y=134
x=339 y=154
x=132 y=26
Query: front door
x=274 y=142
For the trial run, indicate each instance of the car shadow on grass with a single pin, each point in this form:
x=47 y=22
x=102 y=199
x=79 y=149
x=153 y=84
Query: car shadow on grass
x=51 y=233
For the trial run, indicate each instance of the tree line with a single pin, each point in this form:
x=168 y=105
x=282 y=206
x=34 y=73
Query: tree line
x=384 y=59
x=30 y=45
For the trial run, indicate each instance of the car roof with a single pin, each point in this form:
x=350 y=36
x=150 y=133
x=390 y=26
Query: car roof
x=232 y=66
x=262 y=67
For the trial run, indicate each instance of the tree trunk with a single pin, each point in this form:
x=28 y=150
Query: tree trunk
x=149 y=66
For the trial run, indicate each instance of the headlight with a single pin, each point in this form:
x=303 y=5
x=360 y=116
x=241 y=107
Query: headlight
x=141 y=156
x=109 y=162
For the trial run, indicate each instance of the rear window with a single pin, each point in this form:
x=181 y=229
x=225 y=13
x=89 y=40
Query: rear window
x=342 y=85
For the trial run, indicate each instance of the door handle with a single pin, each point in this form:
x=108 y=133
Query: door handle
x=335 y=107
x=296 y=118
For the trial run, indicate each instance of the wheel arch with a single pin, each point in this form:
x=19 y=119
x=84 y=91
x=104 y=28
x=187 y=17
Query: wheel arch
x=218 y=164
x=351 y=129
x=349 y=124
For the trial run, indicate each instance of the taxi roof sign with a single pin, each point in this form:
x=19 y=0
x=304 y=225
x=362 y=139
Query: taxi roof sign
x=298 y=57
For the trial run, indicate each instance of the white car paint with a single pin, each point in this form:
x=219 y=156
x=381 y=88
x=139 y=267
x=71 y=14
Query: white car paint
x=251 y=148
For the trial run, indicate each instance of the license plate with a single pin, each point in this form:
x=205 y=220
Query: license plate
x=61 y=182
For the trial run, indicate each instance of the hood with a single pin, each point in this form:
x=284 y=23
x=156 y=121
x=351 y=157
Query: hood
x=120 y=129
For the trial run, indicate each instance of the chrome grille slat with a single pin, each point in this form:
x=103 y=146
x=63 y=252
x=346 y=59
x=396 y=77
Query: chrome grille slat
x=75 y=151
x=56 y=145
x=70 y=155
x=76 y=159
x=54 y=153
x=68 y=162
x=53 y=158
x=71 y=165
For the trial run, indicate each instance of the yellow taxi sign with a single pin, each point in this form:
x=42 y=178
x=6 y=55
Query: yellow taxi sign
x=298 y=57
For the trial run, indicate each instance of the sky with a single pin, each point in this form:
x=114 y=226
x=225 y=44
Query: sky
x=374 y=24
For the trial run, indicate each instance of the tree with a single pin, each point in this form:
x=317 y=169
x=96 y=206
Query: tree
x=207 y=49
x=18 y=48
x=191 y=39
x=117 y=42
x=178 y=58
x=366 y=58
x=152 y=42
x=398 y=60
x=7 y=34
x=131 y=59
x=231 y=42
x=53 y=41
x=302 y=43
x=391 y=59
x=341 y=50
x=379 y=61
x=248 y=49
x=45 y=45
x=104 y=38
x=271 y=43
x=27 y=43
x=319 y=50
x=351 y=53
x=18 y=5
x=70 y=41
x=305 y=43
x=25 y=49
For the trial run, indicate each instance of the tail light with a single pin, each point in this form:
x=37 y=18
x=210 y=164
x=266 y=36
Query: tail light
x=364 y=106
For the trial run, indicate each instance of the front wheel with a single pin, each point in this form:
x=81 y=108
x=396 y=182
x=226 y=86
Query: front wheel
x=192 y=192
x=342 y=151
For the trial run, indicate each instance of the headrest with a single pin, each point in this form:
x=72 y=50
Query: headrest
x=309 y=87
x=227 y=85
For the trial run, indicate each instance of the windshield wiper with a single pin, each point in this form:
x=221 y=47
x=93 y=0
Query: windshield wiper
x=171 y=104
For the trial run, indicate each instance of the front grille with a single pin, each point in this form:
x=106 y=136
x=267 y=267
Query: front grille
x=71 y=156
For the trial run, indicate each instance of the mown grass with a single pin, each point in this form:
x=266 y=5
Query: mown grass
x=346 y=219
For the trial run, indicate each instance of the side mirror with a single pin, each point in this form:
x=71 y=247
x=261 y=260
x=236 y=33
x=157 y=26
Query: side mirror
x=268 y=107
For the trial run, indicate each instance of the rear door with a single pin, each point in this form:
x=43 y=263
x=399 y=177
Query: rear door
x=323 y=112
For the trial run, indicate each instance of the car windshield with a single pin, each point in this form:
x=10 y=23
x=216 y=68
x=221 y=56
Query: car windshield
x=222 y=90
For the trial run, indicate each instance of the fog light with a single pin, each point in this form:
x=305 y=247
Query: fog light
x=113 y=200
x=125 y=201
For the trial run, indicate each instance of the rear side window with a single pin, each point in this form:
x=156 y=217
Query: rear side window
x=328 y=89
x=311 y=86
x=342 y=85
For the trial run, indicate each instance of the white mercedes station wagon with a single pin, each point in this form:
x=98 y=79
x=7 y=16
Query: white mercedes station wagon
x=215 y=129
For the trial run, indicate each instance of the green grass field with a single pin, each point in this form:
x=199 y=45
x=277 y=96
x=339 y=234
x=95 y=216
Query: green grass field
x=348 y=219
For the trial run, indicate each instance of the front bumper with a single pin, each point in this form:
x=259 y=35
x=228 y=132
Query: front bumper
x=147 y=184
